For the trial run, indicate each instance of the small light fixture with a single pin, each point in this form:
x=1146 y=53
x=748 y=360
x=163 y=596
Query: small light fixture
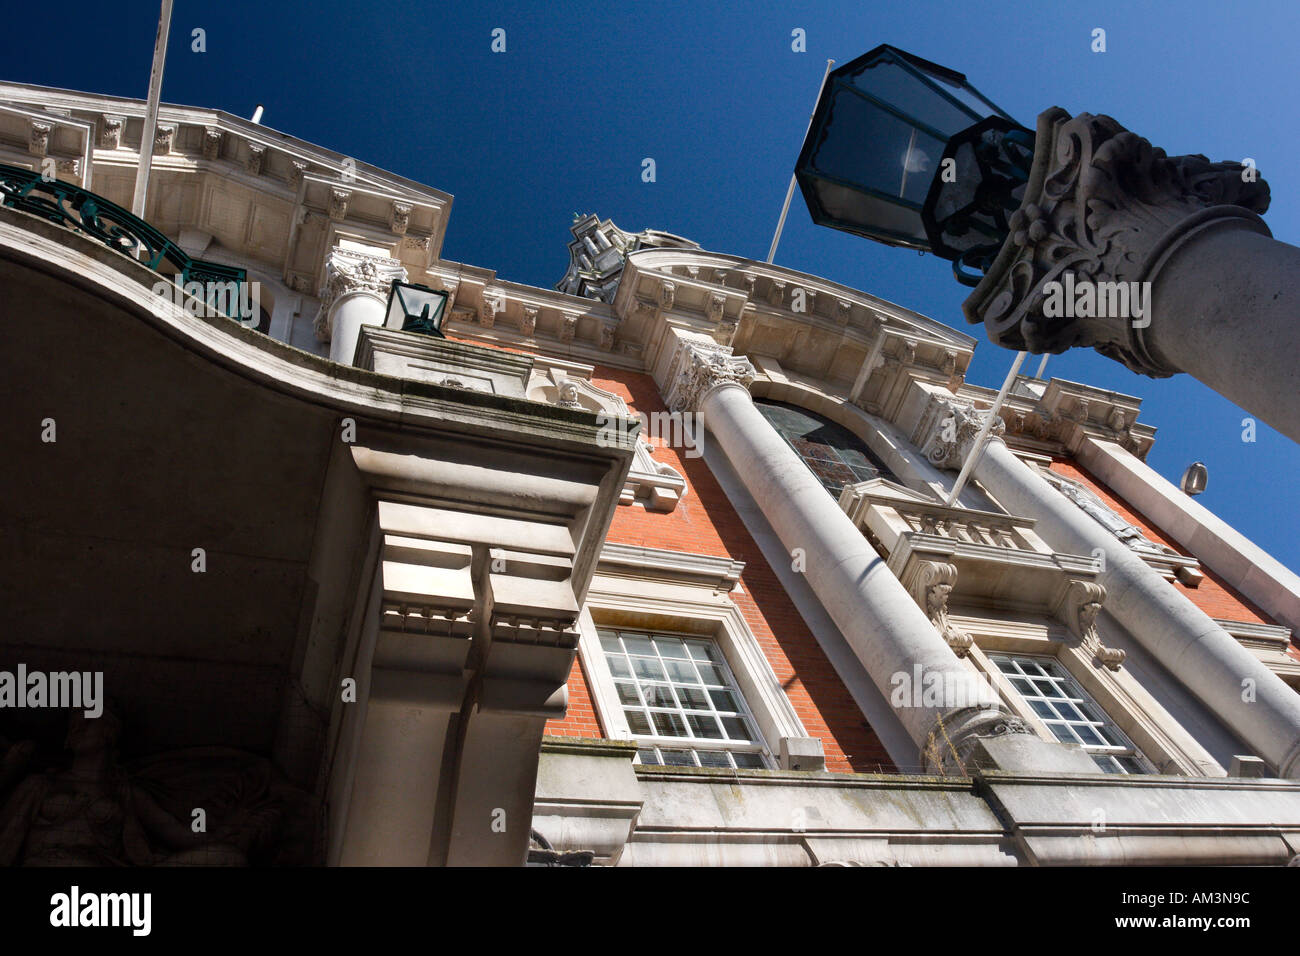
x=1195 y=478
x=416 y=308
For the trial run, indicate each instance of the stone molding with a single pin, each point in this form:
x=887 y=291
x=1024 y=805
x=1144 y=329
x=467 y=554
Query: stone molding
x=1103 y=204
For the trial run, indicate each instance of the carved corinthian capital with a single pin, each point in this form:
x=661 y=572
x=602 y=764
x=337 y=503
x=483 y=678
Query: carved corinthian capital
x=702 y=367
x=347 y=272
x=1101 y=205
x=947 y=429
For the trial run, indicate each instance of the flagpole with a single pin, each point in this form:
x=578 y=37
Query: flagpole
x=977 y=449
x=789 y=193
x=151 y=110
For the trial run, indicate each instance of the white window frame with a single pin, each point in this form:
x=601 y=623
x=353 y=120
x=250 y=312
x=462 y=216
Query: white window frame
x=1076 y=696
x=695 y=605
x=758 y=745
x=1158 y=736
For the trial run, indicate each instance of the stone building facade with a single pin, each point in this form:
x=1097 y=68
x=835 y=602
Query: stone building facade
x=655 y=567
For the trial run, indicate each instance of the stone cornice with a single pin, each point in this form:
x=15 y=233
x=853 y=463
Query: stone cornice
x=625 y=560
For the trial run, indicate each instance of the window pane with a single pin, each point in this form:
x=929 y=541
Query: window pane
x=703 y=725
x=658 y=695
x=618 y=666
x=682 y=671
x=627 y=693
x=670 y=647
x=677 y=758
x=710 y=674
x=723 y=700
x=713 y=758
x=747 y=760
x=648 y=669
x=638 y=645
x=637 y=722
x=701 y=652
x=833 y=453
x=648 y=757
x=736 y=728
x=694 y=698
x=609 y=642
x=668 y=725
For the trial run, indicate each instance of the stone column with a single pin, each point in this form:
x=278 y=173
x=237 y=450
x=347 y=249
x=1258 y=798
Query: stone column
x=1161 y=263
x=887 y=631
x=1222 y=548
x=1249 y=698
x=355 y=294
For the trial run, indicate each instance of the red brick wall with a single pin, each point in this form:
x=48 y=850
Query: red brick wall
x=704 y=522
x=1214 y=596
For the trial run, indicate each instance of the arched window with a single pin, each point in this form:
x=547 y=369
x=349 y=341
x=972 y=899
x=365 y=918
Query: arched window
x=832 y=452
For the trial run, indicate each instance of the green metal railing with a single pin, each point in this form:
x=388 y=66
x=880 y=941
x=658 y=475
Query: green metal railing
x=76 y=208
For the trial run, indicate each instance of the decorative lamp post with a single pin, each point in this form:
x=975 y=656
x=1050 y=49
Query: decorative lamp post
x=1080 y=234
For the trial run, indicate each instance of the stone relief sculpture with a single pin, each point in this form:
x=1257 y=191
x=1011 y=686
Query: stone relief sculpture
x=96 y=811
x=1104 y=515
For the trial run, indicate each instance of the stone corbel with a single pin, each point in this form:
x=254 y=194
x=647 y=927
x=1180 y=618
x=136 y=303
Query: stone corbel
x=110 y=130
x=715 y=305
x=1079 y=609
x=528 y=319
x=667 y=294
x=211 y=142
x=607 y=331
x=568 y=326
x=38 y=138
x=930 y=587
x=843 y=310
x=162 y=139
x=256 y=159
x=339 y=199
x=487 y=314
x=776 y=294
x=399 y=216
x=297 y=170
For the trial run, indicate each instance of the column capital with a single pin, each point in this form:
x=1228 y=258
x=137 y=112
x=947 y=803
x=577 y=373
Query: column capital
x=1102 y=209
x=947 y=429
x=347 y=272
x=700 y=367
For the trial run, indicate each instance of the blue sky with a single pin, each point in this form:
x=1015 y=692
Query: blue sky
x=561 y=122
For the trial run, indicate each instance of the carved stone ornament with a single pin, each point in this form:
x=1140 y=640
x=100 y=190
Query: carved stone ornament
x=528 y=319
x=702 y=367
x=1089 y=502
x=211 y=142
x=607 y=331
x=955 y=735
x=256 y=159
x=667 y=294
x=947 y=430
x=1104 y=205
x=162 y=138
x=339 y=199
x=110 y=130
x=1082 y=604
x=399 y=216
x=39 y=137
x=568 y=326
x=487 y=315
x=346 y=272
x=567 y=394
x=931 y=588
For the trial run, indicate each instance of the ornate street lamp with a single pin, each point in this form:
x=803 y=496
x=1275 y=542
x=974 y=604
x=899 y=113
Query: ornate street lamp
x=416 y=308
x=1165 y=260
x=890 y=134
